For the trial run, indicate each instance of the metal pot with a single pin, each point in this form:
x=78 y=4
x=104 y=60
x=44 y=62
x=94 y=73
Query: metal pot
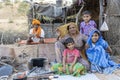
x=37 y=62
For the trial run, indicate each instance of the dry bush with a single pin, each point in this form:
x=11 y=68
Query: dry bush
x=1 y=5
x=7 y=2
x=9 y=37
x=23 y=8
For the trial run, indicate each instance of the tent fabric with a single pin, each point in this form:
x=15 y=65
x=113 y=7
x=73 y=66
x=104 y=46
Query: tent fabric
x=6 y=70
x=48 y=10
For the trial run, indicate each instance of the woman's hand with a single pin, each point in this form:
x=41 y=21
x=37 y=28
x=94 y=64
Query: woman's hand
x=86 y=46
x=57 y=32
x=109 y=50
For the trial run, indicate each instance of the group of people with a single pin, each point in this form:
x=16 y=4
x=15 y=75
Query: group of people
x=85 y=46
x=81 y=47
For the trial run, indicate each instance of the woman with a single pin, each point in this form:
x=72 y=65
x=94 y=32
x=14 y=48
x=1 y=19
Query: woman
x=79 y=39
x=98 y=54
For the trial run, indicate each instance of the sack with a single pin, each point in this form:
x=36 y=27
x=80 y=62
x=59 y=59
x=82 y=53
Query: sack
x=104 y=27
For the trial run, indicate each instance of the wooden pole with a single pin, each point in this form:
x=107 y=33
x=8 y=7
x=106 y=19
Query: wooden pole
x=77 y=16
x=2 y=38
x=101 y=13
x=65 y=15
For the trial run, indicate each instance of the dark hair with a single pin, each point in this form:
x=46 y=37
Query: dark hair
x=68 y=40
x=86 y=12
x=97 y=32
x=68 y=27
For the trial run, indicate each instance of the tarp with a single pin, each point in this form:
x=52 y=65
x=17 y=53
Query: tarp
x=6 y=70
x=47 y=10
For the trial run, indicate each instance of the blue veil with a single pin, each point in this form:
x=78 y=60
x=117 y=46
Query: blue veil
x=98 y=57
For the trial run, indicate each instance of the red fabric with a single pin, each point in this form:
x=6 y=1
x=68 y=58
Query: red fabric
x=70 y=55
x=46 y=40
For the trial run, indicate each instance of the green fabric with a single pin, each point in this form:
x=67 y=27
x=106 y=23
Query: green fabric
x=58 y=68
x=78 y=69
x=67 y=69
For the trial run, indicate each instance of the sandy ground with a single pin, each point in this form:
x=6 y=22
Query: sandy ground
x=11 y=19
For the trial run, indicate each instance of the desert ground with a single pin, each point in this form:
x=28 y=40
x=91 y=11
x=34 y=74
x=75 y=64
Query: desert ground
x=13 y=22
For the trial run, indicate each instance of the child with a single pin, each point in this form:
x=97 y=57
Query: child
x=98 y=54
x=87 y=25
x=70 y=57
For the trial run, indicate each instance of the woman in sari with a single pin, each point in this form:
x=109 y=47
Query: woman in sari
x=97 y=51
x=73 y=32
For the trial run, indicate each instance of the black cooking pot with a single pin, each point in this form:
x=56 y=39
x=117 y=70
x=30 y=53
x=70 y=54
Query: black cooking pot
x=37 y=62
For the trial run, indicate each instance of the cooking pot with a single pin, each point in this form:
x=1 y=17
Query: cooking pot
x=37 y=62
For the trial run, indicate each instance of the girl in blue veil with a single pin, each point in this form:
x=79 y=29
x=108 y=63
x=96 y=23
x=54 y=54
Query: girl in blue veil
x=97 y=50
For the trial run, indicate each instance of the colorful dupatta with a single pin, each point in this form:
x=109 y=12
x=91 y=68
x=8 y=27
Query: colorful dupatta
x=100 y=60
x=37 y=31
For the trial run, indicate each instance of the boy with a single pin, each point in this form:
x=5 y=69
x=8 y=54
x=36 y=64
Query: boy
x=87 y=25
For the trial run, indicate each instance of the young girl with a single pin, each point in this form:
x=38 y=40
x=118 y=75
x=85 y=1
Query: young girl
x=70 y=57
x=87 y=24
x=98 y=54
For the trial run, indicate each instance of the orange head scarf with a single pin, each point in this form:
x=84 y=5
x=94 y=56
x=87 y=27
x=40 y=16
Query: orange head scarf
x=35 y=22
x=36 y=31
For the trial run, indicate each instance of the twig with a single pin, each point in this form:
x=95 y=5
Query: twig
x=2 y=38
x=77 y=16
x=114 y=45
x=3 y=63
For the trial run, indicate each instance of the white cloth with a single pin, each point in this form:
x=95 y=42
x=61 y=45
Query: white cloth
x=35 y=39
x=82 y=77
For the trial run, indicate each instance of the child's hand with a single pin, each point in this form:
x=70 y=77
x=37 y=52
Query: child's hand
x=71 y=69
x=64 y=69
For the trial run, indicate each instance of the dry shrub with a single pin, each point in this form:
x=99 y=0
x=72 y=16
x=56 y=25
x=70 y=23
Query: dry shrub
x=23 y=8
x=9 y=37
x=1 y=5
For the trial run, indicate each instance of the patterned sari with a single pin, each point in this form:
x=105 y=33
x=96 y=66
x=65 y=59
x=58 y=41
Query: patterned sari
x=78 y=69
x=100 y=59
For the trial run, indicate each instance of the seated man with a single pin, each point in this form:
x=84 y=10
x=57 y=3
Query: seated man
x=36 y=34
